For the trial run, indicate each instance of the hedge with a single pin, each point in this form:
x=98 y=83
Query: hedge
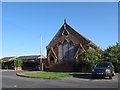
x=11 y=64
x=18 y=63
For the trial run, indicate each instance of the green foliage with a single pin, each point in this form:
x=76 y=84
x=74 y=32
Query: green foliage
x=90 y=57
x=112 y=54
x=6 y=64
x=118 y=55
x=18 y=63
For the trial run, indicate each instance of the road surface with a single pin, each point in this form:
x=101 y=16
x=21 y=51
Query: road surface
x=11 y=80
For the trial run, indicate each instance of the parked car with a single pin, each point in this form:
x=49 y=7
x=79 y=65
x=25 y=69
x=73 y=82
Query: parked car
x=103 y=69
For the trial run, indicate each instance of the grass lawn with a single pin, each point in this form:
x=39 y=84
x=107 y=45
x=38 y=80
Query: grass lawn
x=46 y=74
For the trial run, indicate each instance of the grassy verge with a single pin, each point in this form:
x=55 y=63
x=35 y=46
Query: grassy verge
x=45 y=74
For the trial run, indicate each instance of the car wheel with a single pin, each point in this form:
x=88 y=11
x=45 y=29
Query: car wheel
x=113 y=74
x=110 y=77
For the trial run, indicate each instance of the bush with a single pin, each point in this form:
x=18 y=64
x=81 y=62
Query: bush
x=11 y=64
x=6 y=64
x=89 y=58
x=18 y=63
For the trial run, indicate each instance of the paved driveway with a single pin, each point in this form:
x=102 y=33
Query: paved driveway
x=10 y=80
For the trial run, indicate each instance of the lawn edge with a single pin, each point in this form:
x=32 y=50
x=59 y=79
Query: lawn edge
x=21 y=75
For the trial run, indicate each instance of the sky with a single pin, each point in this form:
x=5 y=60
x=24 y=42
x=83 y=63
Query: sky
x=23 y=22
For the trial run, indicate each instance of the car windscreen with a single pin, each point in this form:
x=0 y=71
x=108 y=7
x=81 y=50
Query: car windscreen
x=102 y=65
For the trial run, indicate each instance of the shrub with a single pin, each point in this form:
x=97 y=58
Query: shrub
x=18 y=63
x=89 y=58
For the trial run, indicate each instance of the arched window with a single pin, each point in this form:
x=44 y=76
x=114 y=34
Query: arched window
x=65 y=50
x=60 y=52
x=71 y=51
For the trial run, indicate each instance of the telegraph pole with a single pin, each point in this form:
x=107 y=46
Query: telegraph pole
x=41 y=66
x=40 y=46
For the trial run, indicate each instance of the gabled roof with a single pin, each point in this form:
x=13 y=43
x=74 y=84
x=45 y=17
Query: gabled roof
x=74 y=36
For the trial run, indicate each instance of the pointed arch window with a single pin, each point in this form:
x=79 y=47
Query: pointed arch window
x=71 y=50
x=60 y=51
x=65 y=50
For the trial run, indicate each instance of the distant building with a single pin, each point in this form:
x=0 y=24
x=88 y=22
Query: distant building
x=65 y=47
x=29 y=62
x=24 y=58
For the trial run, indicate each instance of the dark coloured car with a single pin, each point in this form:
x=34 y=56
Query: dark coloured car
x=103 y=69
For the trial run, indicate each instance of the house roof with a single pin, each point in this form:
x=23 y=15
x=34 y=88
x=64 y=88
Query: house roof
x=30 y=57
x=7 y=58
x=73 y=36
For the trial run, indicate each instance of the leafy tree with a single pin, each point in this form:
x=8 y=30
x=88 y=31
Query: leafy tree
x=90 y=57
x=112 y=54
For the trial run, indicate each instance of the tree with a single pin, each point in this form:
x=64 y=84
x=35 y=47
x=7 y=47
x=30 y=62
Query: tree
x=90 y=57
x=112 y=54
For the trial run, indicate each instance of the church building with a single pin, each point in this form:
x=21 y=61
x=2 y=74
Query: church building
x=66 y=46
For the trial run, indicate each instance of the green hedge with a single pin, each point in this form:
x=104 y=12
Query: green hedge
x=11 y=64
x=18 y=63
x=4 y=64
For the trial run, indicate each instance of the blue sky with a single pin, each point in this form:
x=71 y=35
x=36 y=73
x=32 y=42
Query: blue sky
x=22 y=24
